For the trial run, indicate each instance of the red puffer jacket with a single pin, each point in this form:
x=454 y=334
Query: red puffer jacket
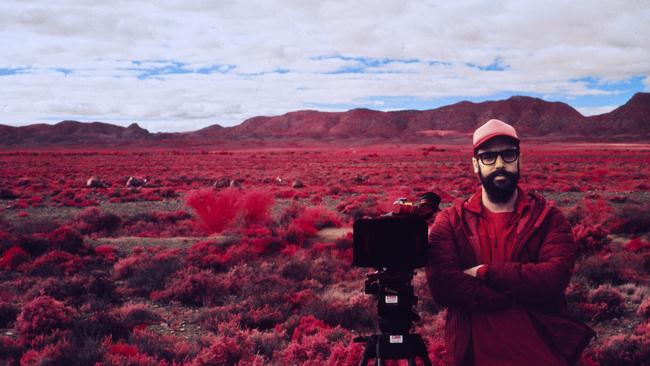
x=536 y=276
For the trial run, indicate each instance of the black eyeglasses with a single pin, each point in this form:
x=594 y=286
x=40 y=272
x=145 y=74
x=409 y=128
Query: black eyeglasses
x=490 y=157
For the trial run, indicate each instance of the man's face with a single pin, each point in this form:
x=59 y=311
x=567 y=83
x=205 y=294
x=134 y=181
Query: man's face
x=499 y=176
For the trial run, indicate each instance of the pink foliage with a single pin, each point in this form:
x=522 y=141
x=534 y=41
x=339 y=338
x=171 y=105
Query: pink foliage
x=223 y=351
x=194 y=287
x=217 y=210
x=13 y=257
x=43 y=315
x=636 y=245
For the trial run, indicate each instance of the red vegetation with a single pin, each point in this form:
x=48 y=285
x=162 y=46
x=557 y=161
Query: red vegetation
x=178 y=273
x=42 y=316
x=217 y=210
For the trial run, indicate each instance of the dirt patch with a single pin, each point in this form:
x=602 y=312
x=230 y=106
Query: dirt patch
x=129 y=242
x=331 y=234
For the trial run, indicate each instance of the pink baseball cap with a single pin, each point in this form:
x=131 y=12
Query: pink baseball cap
x=493 y=128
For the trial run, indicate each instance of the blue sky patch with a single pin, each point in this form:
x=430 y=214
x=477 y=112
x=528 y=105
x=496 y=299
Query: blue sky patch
x=7 y=71
x=363 y=65
x=496 y=65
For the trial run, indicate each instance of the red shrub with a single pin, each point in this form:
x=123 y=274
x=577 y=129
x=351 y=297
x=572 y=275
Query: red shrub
x=636 y=245
x=303 y=223
x=216 y=210
x=56 y=263
x=192 y=286
x=308 y=326
x=222 y=352
x=624 y=350
x=632 y=219
x=59 y=353
x=10 y=350
x=644 y=309
x=106 y=252
x=122 y=349
x=147 y=270
x=43 y=315
x=256 y=205
x=262 y=318
x=172 y=349
x=13 y=258
x=590 y=239
x=67 y=239
x=609 y=302
x=136 y=314
x=95 y=221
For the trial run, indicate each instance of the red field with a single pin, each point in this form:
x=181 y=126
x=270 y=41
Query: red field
x=178 y=272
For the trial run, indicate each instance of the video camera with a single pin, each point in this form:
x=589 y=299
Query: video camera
x=396 y=241
x=395 y=244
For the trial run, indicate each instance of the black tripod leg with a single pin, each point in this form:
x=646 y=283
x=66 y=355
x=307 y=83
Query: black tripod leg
x=378 y=353
x=367 y=351
x=421 y=350
x=412 y=361
x=364 y=360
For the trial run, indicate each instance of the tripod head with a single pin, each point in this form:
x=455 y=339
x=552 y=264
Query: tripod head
x=395 y=299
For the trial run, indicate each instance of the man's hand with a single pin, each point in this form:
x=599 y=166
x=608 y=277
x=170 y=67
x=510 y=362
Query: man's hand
x=472 y=271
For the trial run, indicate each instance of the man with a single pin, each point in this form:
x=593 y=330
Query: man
x=500 y=262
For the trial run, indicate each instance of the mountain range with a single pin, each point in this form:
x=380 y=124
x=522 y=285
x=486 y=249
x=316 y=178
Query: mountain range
x=532 y=117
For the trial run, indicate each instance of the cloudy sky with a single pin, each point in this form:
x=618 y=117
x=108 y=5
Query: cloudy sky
x=184 y=65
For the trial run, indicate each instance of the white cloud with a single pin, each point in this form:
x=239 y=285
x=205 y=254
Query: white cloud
x=545 y=46
x=593 y=111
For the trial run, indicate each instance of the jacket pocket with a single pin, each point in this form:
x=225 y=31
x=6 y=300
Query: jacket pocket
x=567 y=336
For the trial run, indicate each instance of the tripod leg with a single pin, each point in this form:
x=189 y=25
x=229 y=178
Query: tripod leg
x=364 y=360
x=421 y=350
x=412 y=361
x=367 y=352
x=380 y=360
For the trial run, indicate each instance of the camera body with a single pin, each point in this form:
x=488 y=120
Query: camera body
x=394 y=242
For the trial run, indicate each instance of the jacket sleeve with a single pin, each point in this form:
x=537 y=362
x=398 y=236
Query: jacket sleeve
x=549 y=276
x=448 y=284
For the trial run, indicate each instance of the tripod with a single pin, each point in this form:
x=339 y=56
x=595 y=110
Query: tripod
x=395 y=301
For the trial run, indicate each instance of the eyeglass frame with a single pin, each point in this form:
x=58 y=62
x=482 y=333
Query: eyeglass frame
x=498 y=153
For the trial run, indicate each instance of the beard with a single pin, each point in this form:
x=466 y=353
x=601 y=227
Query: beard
x=501 y=190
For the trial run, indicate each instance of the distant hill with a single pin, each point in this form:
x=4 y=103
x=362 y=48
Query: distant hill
x=533 y=117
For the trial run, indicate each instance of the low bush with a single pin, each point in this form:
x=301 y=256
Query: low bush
x=624 y=350
x=66 y=239
x=632 y=219
x=609 y=300
x=13 y=258
x=95 y=221
x=133 y=315
x=223 y=351
x=195 y=287
x=146 y=270
x=55 y=263
x=171 y=349
x=43 y=315
x=10 y=351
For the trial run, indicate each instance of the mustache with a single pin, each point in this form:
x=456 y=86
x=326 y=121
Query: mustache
x=490 y=177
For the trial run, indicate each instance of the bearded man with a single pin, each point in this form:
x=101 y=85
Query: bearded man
x=500 y=262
